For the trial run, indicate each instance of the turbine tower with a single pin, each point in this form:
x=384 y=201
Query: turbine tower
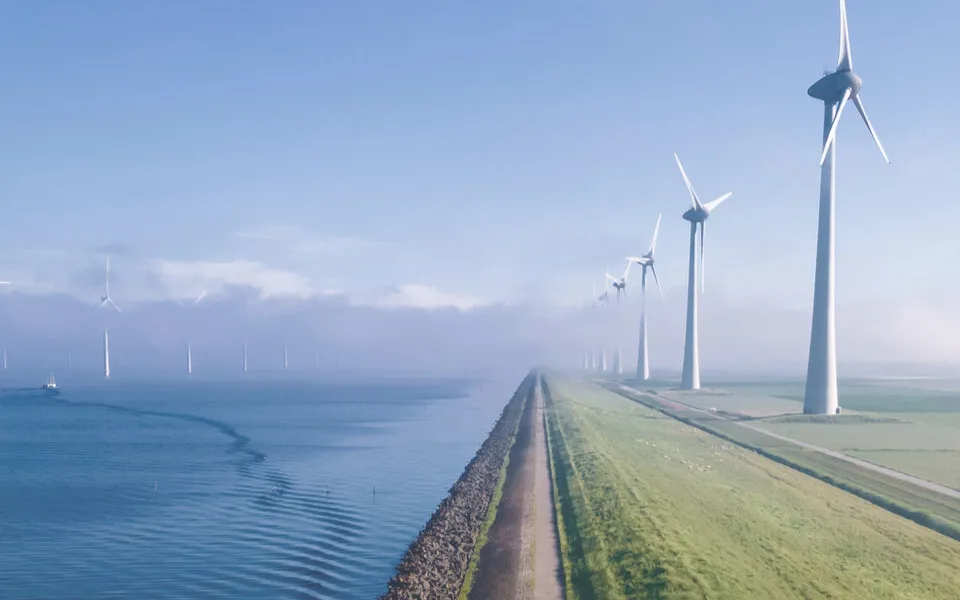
x=646 y=262
x=285 y=363
x=244 y=357
x=4 y=357
x=106 y=354
x=834 y=89
x=600 y=358
x=697 y=214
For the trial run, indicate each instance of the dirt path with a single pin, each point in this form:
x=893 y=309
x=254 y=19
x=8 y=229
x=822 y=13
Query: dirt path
x=548 y=575
x=501 y=572
x=520 y=560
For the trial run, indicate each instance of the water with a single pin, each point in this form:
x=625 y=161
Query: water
x=227 y=490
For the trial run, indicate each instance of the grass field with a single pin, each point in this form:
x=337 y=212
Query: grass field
x=653 y=508
x=924 y=449
x=913 y=427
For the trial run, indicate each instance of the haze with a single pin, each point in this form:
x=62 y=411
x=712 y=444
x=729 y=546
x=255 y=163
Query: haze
x=439 y=186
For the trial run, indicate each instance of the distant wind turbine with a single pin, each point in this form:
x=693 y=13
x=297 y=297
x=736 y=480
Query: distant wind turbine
x=620 y=284
x=697 y=215
x=202 y=295
x=835 y=90
x=106 y=299
x=285 y=363
x=646 y=262
x=244 y=357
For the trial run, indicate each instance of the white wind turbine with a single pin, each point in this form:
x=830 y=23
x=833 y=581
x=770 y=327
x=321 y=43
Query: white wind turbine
x=620 y=284
x=834 y=89
x=105 y=300
x=600 y=359
x=202 y=295
x=646 y=262
x=696 y=214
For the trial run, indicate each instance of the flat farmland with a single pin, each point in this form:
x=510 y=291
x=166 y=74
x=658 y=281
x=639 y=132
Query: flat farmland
x=652 y=508
x=922 y=448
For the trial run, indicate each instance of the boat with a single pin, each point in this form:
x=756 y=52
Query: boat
x=50 y=387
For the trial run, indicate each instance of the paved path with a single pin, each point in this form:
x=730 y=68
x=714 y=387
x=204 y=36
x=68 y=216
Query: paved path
x=548 y=576
x=922 y=483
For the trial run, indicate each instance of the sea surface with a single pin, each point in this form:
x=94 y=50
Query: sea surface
x=244 y=489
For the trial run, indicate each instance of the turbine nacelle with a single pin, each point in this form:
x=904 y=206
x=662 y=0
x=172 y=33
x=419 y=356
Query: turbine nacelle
x=832 y=86
x=697 y=214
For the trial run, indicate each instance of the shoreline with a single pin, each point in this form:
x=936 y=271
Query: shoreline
x=436 y=562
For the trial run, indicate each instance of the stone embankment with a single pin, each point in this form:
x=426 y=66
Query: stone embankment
x=436 y=563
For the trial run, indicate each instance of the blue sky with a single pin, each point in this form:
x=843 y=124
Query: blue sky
x=494 y=151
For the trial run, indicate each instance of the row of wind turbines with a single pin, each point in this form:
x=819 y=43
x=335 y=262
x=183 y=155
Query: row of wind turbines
x=106 y=301
x=835 y=89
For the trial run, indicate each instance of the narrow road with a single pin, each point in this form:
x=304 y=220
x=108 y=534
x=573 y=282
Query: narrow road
x=547 y=573
x=921 y=483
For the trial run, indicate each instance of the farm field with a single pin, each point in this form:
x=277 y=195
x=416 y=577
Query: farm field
x=908 y=426
x=652 y=508
x=922 y=448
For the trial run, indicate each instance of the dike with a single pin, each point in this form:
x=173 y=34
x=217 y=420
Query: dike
x=436 y=563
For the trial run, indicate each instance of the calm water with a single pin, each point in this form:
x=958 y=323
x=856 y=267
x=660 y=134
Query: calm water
x=227 y=490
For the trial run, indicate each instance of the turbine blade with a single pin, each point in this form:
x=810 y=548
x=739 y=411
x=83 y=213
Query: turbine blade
x=656 y=232
x=656 y=279
x=715 y=203
x=202 y=295
x=702 y=278
x=611 y=277
x=686 y=180
x=833 y=127
x=114 y=304
x=863 y=113
x=626 y=272
x=845 y=60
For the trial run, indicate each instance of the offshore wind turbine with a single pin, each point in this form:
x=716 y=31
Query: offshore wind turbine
x=202 y=295
x=646 y=262
x=835 y=90
x=105 y=300
x=244 y=357
x=697 y=215
x=285 y=362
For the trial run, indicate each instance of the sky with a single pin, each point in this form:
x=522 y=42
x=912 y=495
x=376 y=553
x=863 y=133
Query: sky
x=478 y=163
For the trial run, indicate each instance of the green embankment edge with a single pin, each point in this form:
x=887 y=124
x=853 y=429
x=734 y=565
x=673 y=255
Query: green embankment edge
x=558 y=513
x=919 y=517
x=492 y=508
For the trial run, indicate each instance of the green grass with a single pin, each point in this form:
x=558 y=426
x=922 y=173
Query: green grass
x=752 y=404
x=653 y=508
x=927 y=450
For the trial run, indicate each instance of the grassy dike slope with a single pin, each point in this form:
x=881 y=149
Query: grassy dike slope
x=652 y=508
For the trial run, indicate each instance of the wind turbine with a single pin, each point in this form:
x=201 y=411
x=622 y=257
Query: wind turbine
x=646 y=262
x=202 y=295
x=285 y=362
x=835 y=90
x=696 y=214
x=106 y=299
x=244 y=357
x=600 y=360
x=620 y=284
